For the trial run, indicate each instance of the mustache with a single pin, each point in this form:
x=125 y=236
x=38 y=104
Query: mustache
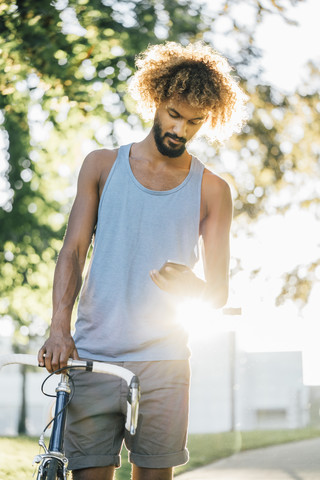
x=175 y=137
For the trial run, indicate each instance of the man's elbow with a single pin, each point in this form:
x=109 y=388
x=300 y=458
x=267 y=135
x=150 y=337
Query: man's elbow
x=220 y=301
x=218 y=297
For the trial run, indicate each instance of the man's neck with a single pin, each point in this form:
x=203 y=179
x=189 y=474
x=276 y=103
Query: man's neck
x=156 y=171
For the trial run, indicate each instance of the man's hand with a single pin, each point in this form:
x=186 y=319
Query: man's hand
x=178 y=279
x=56 y=351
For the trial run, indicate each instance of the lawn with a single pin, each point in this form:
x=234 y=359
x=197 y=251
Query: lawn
x=16 y=454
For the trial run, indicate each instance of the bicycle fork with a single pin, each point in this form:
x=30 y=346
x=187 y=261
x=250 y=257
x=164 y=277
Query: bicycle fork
x=56 y=449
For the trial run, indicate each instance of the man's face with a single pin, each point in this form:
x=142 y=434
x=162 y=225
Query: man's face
x=175 y=123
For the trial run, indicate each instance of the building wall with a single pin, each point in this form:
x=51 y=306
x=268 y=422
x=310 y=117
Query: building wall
x=210 y=385
x=271 y=393
x=231 y=389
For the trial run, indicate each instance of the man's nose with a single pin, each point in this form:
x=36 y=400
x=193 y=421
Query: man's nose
x=180 y=128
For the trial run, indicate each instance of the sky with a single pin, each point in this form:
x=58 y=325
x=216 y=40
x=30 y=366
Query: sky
x=287 y=47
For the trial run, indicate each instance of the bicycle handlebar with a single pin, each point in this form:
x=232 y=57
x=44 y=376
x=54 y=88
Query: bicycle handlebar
x=96 y=367
x=19 y=358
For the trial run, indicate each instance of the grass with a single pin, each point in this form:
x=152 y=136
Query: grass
x=16 y=454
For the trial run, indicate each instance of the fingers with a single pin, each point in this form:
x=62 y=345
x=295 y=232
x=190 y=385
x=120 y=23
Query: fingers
x=169 y=279
x=162 y=279
x=159 y=279
x=75 y=355
x=41 y=355
x=172 y=268
x=177 y=279
x=51 y=361
x=48 y=360
x=45 y=357
x=54 y=361
x=54 y=354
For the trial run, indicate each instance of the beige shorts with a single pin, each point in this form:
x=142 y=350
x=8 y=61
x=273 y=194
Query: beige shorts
x=96 y=417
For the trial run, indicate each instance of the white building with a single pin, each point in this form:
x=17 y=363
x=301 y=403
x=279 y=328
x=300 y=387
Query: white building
x=232 y=389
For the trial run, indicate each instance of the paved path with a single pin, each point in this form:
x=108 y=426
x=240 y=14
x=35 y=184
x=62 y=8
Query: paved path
x=291 y=461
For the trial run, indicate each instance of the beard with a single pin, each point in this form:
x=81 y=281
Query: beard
x=171 y=150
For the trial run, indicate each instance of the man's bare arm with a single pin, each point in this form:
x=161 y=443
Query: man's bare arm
x=215 y=231
x=68 y=273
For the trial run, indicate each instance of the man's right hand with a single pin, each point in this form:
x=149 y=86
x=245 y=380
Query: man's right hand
x=56 y=351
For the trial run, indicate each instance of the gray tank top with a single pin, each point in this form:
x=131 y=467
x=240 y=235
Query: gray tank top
x=122 y=314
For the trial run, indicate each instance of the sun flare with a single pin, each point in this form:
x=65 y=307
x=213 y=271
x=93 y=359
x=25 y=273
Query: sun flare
x=200 y=319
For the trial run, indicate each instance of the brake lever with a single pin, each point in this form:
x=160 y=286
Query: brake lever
x=133 y=405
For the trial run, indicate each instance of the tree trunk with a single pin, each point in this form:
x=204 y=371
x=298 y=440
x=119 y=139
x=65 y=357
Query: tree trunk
x=22 y=429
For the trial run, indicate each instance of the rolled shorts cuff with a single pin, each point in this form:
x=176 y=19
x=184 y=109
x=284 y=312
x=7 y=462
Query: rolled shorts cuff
x=90 y=461
x=160 y=461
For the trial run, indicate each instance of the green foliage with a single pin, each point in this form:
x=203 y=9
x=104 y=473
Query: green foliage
x=298 y=283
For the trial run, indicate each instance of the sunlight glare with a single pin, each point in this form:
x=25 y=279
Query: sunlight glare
x=271 y=329
x=201 y=320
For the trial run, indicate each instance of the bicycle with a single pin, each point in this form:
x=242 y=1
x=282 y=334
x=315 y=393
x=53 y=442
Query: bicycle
x=53 y=464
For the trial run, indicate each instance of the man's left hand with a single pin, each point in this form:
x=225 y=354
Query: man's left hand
x=177 y=279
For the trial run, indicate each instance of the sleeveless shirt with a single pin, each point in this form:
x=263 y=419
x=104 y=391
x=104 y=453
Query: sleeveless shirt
x=122 y=314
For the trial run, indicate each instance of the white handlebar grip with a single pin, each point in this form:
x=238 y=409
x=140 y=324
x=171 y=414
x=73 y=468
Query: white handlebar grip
x=19 y=358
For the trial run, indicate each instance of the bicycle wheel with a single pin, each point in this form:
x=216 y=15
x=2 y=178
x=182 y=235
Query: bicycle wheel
x=53 y=470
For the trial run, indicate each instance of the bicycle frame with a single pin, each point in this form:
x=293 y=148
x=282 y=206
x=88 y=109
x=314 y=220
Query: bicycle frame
x=53 y=462
x=56 y=450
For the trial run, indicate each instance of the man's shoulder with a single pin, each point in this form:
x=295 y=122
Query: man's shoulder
x=98 y=163
x=102 y=156
x=214 y=184
x=216 y=196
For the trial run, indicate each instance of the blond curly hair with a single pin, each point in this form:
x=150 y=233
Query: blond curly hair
x=195 y=73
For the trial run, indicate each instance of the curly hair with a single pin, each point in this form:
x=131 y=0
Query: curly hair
x=195 y=73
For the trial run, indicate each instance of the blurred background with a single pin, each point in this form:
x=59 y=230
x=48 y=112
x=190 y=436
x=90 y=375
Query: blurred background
x=64 y=70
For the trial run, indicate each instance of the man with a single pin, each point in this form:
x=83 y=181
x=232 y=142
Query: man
x=145 y=203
